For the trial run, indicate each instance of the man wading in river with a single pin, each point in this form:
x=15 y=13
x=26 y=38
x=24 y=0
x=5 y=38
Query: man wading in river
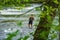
x=31 y=21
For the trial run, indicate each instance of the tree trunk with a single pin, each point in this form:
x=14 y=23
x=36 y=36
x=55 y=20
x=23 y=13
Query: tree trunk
x=42 y=29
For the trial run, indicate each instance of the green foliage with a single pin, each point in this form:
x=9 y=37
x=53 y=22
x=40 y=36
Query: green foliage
x=42 y=15
x=53 y=36
x=49 y=18
x=35 y=24
x=57 y=28
x=19 y=23
x=20 y=39
x=37 y=8
x=11 y=3
x=11 y=35
x=55 y=1
x=26 y=0
x=43 y=34
x=1 y=7
x=25 y=38
x=47 y=13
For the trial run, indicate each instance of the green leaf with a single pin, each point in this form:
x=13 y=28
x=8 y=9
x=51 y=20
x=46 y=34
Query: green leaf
x=55 y=1
x=26 y=37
